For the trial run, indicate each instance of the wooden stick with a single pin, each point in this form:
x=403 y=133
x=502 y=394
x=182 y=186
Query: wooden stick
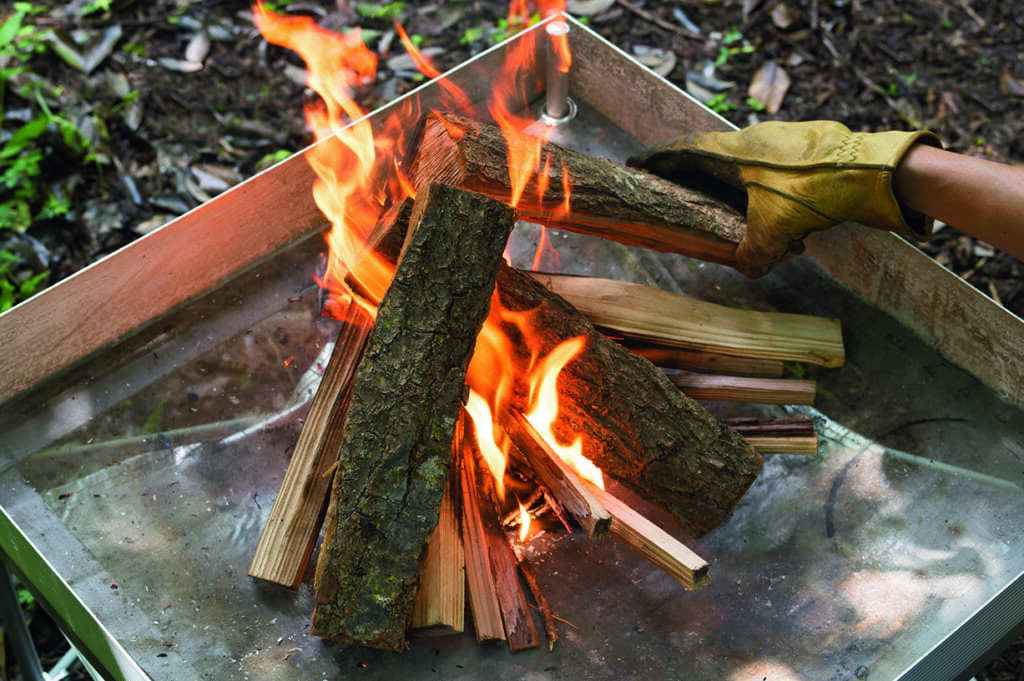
x=483 y=595
x=740 y=389
x=441 y=599
x=654 y=543
x=606 y=199
x=558 y=476
x=799 y=446
x=778 y=436
x=645 y=313
x=705 y=362
x=405 y=402
x=293 y=525
x=529 y=572
x=520 y=631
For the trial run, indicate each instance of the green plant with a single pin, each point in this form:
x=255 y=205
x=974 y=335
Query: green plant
x=96 y=6
x=14 y=285
x=471 y=35
x=386 y=12
x=503 y=29
x=720 y=104
x=755 y=104
x=724 y=53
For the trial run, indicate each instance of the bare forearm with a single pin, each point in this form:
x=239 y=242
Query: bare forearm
x=981 y=198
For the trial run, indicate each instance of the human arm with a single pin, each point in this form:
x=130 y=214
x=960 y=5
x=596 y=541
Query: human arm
x=807 y=176
x=979 y=197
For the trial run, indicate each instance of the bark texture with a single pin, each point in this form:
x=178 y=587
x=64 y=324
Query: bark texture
x=637 y=426
x=607 y=199
x=406 y=396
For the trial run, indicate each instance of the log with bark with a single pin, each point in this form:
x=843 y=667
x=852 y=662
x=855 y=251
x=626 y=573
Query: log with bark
x=406 y=397
x=293 y=526
x=637 y=426
x=606 y=198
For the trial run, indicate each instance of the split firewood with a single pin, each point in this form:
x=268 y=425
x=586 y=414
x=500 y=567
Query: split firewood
x=654 y=543
x=777 y=436
x=740 y=389
x=702 y=361
x=645 y=313
x=605 y=198
x=293 y=525
x=484 y=605
x=557 y=476
x=639 y=533
x=441 y=599
x=520 y=631
x=529 y=572
x=405 y=401
x=636 y=426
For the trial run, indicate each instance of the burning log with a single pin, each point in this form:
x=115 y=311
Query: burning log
x=637 y=426
x=607 y=199
x=739 y=389
x=405 y=401
x=294 y=523
x=644 y=313
x=558 y=477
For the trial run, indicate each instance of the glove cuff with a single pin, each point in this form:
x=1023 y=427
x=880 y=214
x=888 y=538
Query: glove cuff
x=890 y=148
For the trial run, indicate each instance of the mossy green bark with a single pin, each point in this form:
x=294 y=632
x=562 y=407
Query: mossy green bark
x=406 y=396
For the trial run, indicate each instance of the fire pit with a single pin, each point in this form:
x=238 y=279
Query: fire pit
x=141 y=458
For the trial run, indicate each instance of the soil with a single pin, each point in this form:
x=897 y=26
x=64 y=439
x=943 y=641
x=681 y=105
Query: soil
x=213 y=100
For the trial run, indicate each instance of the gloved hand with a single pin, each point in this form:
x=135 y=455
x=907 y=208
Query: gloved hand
x=799 y=177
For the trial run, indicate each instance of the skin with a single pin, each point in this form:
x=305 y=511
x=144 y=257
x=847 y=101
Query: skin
x=982 y=198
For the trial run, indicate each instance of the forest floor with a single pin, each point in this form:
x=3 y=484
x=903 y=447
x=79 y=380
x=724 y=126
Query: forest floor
x=167 y=103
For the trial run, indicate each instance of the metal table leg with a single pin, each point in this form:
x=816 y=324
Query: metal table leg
x=17 y=630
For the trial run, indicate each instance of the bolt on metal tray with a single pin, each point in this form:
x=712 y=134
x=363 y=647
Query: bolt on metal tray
x=150 y=404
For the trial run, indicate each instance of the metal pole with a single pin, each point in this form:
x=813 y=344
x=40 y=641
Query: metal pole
x=558 y=108
x=17 y=630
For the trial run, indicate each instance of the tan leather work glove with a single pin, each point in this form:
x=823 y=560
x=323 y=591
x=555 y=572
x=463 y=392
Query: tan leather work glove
x=799 y=178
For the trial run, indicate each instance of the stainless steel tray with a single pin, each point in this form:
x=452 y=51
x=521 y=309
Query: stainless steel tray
x=151 y=403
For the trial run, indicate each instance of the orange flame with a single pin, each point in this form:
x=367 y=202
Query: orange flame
x=357 y=172
x=544 y=410
x=524 y=522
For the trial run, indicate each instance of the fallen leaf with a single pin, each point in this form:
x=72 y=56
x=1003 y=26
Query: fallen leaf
x=783 y=16
x=660 y=61
x=587 y=8
x=198 y=47
x=81 y=49
x=1010 y=86
x=769 y=86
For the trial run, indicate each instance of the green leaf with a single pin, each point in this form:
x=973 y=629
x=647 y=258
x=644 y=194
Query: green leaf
x=391 y=10
x=23 y=136
x=15 y=215
x=6 y=295
x=10 y=28
x=29 y=287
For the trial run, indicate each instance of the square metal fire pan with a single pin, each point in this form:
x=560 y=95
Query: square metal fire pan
x=148 y=414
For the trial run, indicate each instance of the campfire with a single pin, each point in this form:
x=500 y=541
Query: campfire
x=463 y=394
